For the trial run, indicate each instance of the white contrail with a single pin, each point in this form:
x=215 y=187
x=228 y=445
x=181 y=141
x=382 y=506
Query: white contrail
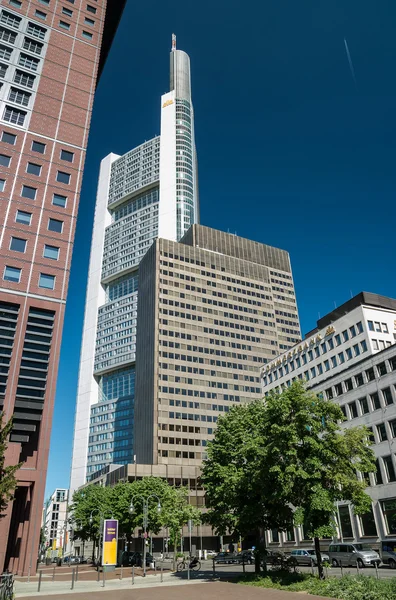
x=350 y=61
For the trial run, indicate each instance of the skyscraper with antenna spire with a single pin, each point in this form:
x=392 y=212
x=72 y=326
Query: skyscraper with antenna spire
x=149 y=192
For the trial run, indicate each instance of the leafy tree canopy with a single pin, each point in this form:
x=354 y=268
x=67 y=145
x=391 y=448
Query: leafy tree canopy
x=285 y=459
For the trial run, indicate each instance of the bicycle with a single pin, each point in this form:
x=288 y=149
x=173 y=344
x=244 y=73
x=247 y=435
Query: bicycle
x=7 y=586
x=194 y=564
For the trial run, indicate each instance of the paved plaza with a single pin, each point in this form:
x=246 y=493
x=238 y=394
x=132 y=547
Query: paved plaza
x=196 y=591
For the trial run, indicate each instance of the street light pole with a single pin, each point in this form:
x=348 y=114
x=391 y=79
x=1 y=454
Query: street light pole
x=145 y=502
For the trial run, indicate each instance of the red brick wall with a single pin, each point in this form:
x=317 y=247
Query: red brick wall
x=60 y=119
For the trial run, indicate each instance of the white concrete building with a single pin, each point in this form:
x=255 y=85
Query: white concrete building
x=151 y=191
x=351 y=359
x=55 y=514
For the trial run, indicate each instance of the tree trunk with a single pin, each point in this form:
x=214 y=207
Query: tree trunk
x=319 y=558
x=93 y=551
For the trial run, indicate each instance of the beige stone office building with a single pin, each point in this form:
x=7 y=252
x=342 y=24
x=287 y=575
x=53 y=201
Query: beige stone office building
x=212 y=309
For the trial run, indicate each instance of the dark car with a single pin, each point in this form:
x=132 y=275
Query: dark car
x=246 y=556
x=226 y=558
x=129 y=559
x=275 y=557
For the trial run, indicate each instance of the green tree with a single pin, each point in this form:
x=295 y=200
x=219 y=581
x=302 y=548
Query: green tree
x=285 y=459
x=237 y=502
x=8 y=480
x=313 y=460
x=89 y=506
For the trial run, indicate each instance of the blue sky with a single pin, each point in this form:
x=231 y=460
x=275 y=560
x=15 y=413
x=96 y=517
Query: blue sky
x=291 y=152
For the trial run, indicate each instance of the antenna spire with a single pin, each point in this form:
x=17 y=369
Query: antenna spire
x=173 y=42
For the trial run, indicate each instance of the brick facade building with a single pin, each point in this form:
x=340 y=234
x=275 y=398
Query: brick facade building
x=51 y=53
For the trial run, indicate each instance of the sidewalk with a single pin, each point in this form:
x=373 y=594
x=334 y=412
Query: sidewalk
x=209 y=591
x=23 y=589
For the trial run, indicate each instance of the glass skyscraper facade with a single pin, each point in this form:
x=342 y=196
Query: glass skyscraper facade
x=150 y=191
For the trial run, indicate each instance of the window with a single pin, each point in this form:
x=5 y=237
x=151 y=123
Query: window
x=55 y=225
x=87 y=35
x=90 y=22
x=46 y=2
x=10 y=19
x=384 y=328
x=375 y=401
x=338 y=389
x=387 y=395
x=370 y=325
x=91 y=9
x=5 y=52
x=370 y=374
x=59 y=200
x=29 y=62
x=51 y=252
x=345 y=335
x=67 y=12
x=378 y=474
x=3 y=70
x=33 y=169
x=66 y=155
x=5 y=160
x=36 y=31
x=64 y=25
x=356 y=349
x=337 y=339
x=341 y=358
x=348 y=352
x=353 y=410
x=18 y=244
x=326 y=365
x=359 y=379
x=381 y=367
x=28 y=192
x=389 y=468
x=375 y=344
x=47 y=281
x=63 y=177
x=32 y=46
x=329 y=393
x=40 y=14
x=392 y=363
x=368 y=525
x=275 y=535
x=19 y=96
x=24 y=79
x=38 y=147
x=12 y=274
x=330 y=343
x=13 y=115
x=23 y=217
x=364 y=405
x=363 y=345
x=2 y=185
x=381 y=431
x=389 y=511
x=352 y=331
x=345 y=519
x=377 y=326
x=16 y=3
x=392 y=425
x=8 y=138
x=359 y=327
x=343 y=409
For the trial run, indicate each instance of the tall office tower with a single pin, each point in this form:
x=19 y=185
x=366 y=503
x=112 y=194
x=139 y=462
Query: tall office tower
x=50 y=56
x=212 y=309
x=151 y=191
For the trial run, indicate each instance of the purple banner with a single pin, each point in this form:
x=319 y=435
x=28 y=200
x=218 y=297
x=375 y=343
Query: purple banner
x=110 y=530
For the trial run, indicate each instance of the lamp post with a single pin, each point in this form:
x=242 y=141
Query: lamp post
x=145 y=502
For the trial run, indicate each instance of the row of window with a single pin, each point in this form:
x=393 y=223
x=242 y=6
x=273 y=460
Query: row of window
x=362 y=378
x=377 y=326
x=40 y=14
x=367 y=404
x=19 y=245
x=10 y=138
x=34 y=169
x=14 y=274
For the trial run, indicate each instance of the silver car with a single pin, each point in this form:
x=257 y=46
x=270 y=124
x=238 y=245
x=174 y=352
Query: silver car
x=307 y=556
x=347 y=555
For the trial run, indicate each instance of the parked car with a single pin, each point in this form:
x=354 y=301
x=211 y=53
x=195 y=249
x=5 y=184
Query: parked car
x=353 y=554
x=387 y=552
x=226 y=558
x=129 y=559
x=75 y=560
x=210 y=553
x=246 y=556
x=307 y=556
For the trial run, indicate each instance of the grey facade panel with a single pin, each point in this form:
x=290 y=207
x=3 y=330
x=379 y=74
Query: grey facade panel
x=237 y=247
x=146 y=359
